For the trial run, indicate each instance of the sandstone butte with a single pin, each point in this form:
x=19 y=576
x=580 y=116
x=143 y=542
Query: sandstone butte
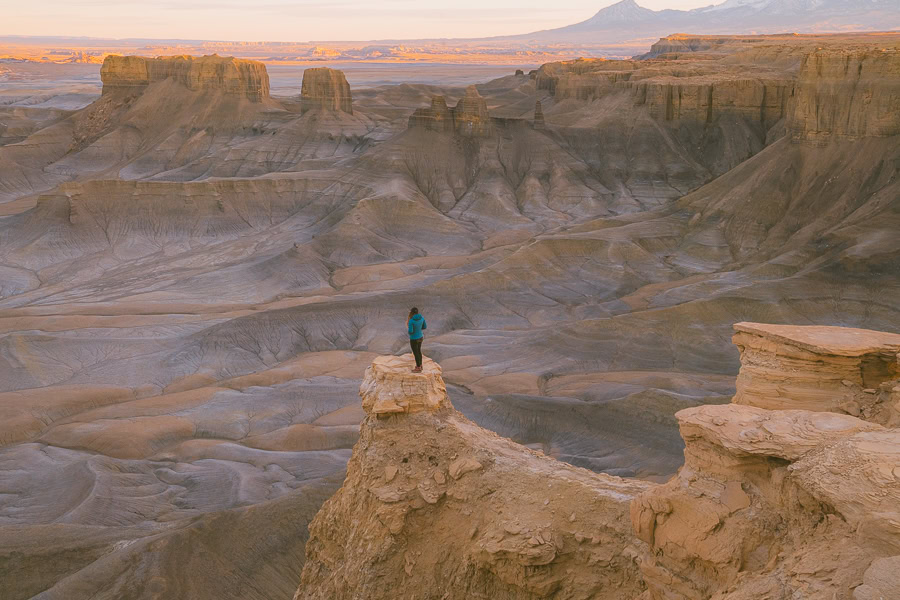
x=469 y=118
x=326 y=89
x=233 y=76
x=772 y=502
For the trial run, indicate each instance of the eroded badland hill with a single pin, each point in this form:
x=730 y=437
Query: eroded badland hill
x=194 y=276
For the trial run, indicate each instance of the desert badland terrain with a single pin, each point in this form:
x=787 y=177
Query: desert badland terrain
x=195 y=273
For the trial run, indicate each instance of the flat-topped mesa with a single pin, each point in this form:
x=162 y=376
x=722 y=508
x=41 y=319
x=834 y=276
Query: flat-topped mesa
x=584 y=78
x=846 y=94
x=390 y=387
x=834 y=369
x=672 y=91
x=440 y=508
x=233 y=76
x=469 y=118
x=711 y=46
x=325 y=89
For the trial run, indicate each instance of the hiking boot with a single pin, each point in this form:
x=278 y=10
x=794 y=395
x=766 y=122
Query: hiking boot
x=417 y=369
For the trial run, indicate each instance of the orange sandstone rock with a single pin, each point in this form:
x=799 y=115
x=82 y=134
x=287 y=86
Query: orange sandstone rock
x=231 y=75
x=326 y=89
x=438 y=508
x=835 y=369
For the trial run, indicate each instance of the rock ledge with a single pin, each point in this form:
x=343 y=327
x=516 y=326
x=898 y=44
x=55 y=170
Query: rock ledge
x=390 y=387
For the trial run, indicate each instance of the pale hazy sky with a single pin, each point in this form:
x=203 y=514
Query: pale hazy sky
x=304 y=20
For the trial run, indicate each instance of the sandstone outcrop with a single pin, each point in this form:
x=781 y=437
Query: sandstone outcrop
x=675 y=90
x=539 y=122
x=774 y=504
x=436 y=507
x=846 y=94
x=778 y=504
x=326 y=89
x=782 y=46
x=771 y=504
x=834 y=369
x=247 y=78
x=436 y=117
x=822 y=88
x=469 y=118
x=388 y=389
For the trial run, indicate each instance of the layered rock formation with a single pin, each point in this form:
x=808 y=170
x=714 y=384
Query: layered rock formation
x=847 y=94
x=469 y=118
x=675 y=90
x=780 y=504
x=831 y=369
x=775 y=504
x=325 y=89
x=439 y=508
x=539 y=122
x=437 y=117
x=772 y=504
x=824 y=88
x=231 y=75
x=386 y=389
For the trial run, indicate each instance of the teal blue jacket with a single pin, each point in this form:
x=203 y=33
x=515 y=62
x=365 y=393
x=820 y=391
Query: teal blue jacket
x=416 y=325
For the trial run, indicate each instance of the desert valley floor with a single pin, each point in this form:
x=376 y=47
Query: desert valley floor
x=195 y=272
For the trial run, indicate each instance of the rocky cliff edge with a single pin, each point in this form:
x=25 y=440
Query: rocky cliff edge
x=434 y=506
x=780 y=504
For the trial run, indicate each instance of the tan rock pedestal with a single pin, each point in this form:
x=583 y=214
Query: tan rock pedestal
x=390 y=386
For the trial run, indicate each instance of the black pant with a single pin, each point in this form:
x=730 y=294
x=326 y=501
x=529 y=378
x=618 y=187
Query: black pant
x=416 y=346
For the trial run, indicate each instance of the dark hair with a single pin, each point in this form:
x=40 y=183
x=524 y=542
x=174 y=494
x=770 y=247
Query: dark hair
x=412 y=312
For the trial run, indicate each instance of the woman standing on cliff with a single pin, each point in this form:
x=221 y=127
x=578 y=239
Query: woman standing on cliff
x=415 y=324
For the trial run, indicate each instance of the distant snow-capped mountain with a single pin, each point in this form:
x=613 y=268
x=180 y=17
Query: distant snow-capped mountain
x=627 y=20
x=626 y=11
